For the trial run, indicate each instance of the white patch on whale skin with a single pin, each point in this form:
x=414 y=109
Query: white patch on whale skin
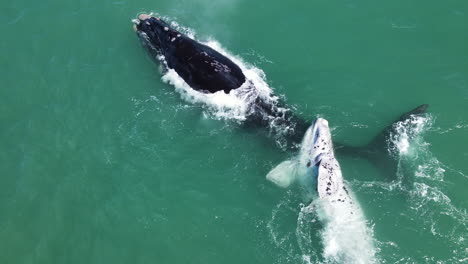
x=329 y=179
x=143 y=16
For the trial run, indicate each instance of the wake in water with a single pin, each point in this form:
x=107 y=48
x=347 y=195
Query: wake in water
x=346 y=236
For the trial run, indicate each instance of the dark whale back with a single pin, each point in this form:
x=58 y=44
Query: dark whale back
x=201 y=67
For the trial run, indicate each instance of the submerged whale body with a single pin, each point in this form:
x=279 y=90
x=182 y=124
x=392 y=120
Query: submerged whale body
x=201 y=67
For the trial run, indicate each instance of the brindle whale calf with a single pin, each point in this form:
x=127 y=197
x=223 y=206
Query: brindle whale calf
x=346 y=236
x=202 y=68
x=208 y=71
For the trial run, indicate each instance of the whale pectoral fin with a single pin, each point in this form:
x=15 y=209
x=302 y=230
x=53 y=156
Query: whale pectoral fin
x=283 y=174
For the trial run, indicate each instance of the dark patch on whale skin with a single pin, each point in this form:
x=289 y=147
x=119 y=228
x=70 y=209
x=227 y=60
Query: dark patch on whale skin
x=201 y=67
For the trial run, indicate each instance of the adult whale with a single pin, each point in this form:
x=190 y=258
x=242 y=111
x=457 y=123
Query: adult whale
x=202 y=68
x=208 y=71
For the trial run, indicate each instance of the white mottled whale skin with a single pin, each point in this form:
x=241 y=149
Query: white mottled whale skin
x=321 y=163
x=345 y=235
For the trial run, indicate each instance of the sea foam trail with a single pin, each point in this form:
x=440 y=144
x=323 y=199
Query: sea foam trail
x=346 y=236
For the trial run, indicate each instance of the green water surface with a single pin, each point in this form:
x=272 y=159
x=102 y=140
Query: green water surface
x=102 y=162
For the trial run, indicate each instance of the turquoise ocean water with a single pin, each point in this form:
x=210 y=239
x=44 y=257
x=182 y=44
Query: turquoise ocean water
x=102 y=161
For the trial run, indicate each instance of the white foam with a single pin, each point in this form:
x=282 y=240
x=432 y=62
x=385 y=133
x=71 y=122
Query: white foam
x=409 y=130
x=346 y=236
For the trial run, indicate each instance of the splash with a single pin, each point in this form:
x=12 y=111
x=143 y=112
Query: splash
x=407 y=131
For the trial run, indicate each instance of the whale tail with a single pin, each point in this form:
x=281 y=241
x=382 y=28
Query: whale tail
x=379 y=150
x=376 y=152
x=416 y=111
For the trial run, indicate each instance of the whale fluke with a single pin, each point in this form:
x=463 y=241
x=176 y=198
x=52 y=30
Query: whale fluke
x=377 y=151
x=416 y=111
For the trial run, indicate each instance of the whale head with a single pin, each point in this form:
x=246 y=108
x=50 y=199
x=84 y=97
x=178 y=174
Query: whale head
x=155 y=33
